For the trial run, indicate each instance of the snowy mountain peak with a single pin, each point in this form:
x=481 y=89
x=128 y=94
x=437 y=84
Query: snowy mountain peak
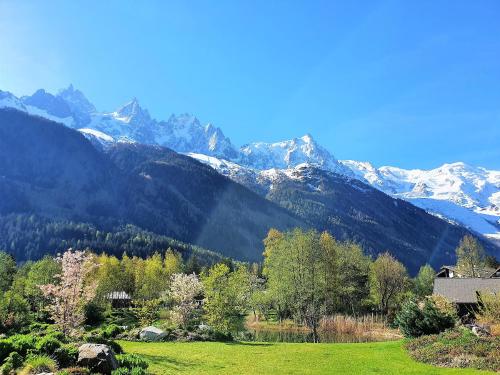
x=461 y=192
x=8 y=100
x=289 y=154
x=76 y=100
x=307 y=138
x=132 y=113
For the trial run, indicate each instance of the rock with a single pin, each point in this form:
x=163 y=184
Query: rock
x=152 y=334
x=98 y=358
x=481 y=331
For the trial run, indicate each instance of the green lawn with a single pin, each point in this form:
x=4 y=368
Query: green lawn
x=262 y=358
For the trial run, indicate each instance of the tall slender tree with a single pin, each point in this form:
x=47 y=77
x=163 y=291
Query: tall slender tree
x=470 y=257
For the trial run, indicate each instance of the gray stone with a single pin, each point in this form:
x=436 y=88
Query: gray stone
x=98 y=358
x=481 y=331
x=152 y=334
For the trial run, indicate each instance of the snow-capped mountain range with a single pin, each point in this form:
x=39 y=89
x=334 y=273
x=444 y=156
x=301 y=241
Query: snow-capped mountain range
x=457 y=192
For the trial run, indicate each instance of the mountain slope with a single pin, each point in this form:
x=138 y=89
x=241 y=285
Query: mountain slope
x=54 y=171
x=353 y=210
x=459 y=193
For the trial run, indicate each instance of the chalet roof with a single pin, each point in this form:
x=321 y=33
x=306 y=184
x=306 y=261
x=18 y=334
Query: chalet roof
x=118 y=295
x=483 y=272
x=464 y=290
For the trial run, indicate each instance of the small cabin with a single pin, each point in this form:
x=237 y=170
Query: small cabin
x=465 y=292
x=119 y=299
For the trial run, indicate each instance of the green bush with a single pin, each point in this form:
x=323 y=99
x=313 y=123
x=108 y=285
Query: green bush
x=66 y=355
x=13 y=361
x=38 y=327
x=74 y=371
x=7 y=368
x=37 y=364
x=112 y=331
x=58 y=335
x=48 y=345
x=131 y=360
x=132 y=371
x=6 y=348
x=94 y=314
x=16 y=359
x=415 y=320
x=23 y=343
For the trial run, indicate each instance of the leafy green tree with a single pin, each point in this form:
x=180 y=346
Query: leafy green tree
x=424 y=281
x=353 y=278
x=172 y=263
x=470 y=257
x=279 y=287
x=329 y=255
x=7 y=271
x=110 y=276
x=14 y=311
x=154 y=280
x=388 y=278
x=296 y=274
x=41 y=272
x=148 y=311
x=227 y=296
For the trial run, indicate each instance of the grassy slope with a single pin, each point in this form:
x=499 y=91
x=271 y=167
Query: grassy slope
x=261 y=358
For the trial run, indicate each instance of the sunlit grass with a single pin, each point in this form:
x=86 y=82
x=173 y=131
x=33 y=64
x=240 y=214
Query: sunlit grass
x=282 y=358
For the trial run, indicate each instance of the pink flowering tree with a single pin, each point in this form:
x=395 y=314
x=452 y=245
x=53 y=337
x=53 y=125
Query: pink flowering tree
x=72 y=290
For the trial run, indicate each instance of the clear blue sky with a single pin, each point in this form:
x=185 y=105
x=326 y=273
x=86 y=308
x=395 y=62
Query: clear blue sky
x=404 y=83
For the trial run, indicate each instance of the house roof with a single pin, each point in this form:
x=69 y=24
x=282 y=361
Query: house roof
x=483 y=272
x=118 y=295
x=464 y=290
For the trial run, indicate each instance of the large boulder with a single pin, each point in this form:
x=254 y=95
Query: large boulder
x=98 y=358
x=152 y=334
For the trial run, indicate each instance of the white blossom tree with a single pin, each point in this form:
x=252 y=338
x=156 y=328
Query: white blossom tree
x=72 y=290
x=183 y=290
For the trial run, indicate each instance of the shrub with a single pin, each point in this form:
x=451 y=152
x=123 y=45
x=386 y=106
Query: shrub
x=38 y=327
x=48 y=345
x=112 y=331
x=6 y=348
x=37 y=364
x=414 y=320
x=57 y=335
x=132 y=371
x=74 y=371
x=148 y=311
x=16 y=359
x=94 y=314
x=131 y=360
x=7 y=368
x=66 y=355
x=13 y=361
x=489 y=311
x=23 y=343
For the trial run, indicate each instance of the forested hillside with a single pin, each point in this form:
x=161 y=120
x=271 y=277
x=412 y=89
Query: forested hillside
x=53 y=171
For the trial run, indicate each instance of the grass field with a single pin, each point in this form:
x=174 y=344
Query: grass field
x=263 y=358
